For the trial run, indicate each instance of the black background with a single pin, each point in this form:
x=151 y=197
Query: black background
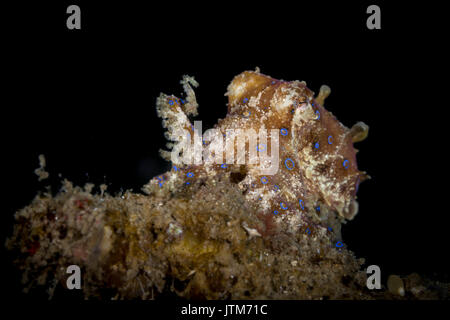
x=86 y=99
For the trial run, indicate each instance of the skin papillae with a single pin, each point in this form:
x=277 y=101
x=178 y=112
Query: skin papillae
x=209 y=231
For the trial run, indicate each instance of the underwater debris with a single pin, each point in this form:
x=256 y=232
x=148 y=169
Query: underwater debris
x=395 y=285
x=40 y=172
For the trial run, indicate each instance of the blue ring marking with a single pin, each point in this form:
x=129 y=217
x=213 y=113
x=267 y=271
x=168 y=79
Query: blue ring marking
x=284 y=132
x=175 y=168
x=261 y=144
x=330 y=137
x=224 y=166
x=293 y=163
x=339 y=244
x=245 y=100
x=316 y=145
x=190 y=174
x=318 y=208
x=301 y=203
x=265 y=179
x=330 y=229
x=275 y=187
x=275 y=212
x=318 y=114
x=308 y=231
x=260 y=198
x=182 y=101
x=283 y=205
x=160 y=184
x=171 y=102
x=345 y=164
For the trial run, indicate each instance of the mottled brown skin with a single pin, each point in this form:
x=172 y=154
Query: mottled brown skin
x=319 y=177
x=306 y=134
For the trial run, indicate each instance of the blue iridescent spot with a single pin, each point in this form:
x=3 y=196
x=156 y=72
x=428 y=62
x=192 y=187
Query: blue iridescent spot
x=301 y=203
x=308 y=231
x=245 y=100
x=316 y=145
x=290 y=167
x=339 y=244
x=182 y=101
x=275 y=187
x=264 y=180
x=283 y=205
x=275 y=212
x=345 y=164
x=171 y=102
x=175 y=168
x=224 y=166
x=318 y=114
x=190 y=174
x=261 y=147
x=330 y=139
x=318 y=208
x=284 y=132
x=330 y=229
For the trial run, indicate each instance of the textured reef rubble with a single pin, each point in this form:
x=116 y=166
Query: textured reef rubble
x=212 y=230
